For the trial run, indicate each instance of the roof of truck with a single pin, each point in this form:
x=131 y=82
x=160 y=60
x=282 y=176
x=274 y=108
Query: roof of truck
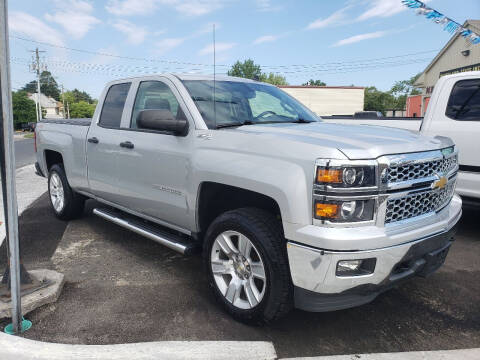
x=191 y=77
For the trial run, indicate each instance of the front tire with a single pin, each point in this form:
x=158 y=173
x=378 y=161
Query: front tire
x=247 y=265
x=66 y=204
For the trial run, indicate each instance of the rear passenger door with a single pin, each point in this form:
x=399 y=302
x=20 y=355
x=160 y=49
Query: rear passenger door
x=103 y=141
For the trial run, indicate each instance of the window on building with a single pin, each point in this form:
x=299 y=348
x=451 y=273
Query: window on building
x=464 y=101
x=112 y=109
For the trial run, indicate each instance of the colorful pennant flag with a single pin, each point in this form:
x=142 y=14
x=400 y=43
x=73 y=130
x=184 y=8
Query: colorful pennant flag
x=448 y=24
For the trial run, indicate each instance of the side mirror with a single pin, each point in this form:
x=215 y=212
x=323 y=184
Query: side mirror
x=161 y=120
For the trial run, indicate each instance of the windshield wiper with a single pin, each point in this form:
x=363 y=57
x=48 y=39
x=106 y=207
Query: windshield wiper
x=246 y=122
x=301 y=121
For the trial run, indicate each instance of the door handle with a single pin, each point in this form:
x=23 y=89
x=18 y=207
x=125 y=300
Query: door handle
x=93 y=140
x=127 y=144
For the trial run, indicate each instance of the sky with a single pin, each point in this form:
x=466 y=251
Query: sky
x=353 y=42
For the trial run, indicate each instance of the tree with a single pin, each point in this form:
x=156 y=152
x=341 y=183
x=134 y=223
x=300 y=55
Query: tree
x=376 y=100
x=24 y=109
x=82 y=109
x=48 y=86
x=312 y=82
x=405 y=87
x=274 y=79
x=76 y=95
x=248 y=69
x=401 y=90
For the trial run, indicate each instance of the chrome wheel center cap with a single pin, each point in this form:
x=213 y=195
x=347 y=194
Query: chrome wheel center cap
x=242 y=267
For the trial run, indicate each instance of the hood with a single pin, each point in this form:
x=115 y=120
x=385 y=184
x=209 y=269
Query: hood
x=355 y=141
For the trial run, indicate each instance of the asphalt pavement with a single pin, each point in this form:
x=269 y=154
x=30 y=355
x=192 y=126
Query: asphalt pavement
x=24 y=152
x=123 y=288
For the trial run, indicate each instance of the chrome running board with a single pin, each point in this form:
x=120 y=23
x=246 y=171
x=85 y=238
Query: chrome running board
x=137 y=225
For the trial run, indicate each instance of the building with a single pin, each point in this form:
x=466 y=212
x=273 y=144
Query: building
x=396 y=113
x=414 y=105
x=52 y=108
x=458 y=55
x=329 y=100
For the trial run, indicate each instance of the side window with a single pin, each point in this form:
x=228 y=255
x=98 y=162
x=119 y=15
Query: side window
x=464 y=101
x=113 y=105
x=154 y=95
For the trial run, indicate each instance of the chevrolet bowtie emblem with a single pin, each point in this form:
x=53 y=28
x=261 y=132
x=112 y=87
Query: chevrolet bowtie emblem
x=440 y=183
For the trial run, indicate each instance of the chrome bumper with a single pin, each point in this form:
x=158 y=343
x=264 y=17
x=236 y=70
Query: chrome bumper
x=313 y=269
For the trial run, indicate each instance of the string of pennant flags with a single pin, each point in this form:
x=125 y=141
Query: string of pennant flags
x=448 y=24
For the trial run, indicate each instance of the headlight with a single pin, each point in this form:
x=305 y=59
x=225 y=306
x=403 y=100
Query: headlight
x=346 y=176
x=345 y=211
x=345 y=192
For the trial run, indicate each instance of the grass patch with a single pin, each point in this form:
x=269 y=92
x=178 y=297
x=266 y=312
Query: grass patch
x=28 y=136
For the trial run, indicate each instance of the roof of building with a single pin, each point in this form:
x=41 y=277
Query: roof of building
x=45 y=101
x=471 y=24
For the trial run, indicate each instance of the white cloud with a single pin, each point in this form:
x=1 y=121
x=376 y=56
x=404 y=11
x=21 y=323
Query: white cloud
x=219 y=47
x=146 y=7
x=197 y=7
x=265 y=38
x=105 y=59
x=74 y=16
x=131 y=7
x=337 y=18
x=382 y=8
x=266 y=6
x=168 y=44
x=135 y=34
x=32 y=27
x=360 y=37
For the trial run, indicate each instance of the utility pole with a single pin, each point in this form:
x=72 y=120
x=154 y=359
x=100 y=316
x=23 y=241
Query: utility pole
x=63 y=103
x=38 y=68
x=8 y=171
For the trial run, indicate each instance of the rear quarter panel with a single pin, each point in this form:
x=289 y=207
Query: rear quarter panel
x=69 y=141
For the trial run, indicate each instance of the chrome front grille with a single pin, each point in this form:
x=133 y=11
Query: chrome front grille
x=418 y=203
x=420 y=170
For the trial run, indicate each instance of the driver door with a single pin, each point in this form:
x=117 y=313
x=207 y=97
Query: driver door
x=153 y=171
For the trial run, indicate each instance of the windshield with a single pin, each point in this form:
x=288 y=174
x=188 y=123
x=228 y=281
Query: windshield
x=242 y=103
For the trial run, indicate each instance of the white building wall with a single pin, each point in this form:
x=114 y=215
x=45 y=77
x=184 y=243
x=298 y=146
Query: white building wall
x=329 y=100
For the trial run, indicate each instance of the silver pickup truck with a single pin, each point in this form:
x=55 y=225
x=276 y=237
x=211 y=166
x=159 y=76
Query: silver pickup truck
x=288 y=210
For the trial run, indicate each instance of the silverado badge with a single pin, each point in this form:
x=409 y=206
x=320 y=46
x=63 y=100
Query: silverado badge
x=440 y=183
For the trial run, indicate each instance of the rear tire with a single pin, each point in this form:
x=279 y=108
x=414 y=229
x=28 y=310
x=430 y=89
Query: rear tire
x=235 y=273
x=66 y=204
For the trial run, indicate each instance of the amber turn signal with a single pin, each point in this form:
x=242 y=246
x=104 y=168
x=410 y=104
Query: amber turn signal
x=328 y=211
x=329 y=176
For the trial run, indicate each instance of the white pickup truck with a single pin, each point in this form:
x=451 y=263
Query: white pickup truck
x=288 y=210
x=453 y=111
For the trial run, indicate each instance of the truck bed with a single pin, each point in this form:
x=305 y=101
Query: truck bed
x=67 y=137
x=79 y=121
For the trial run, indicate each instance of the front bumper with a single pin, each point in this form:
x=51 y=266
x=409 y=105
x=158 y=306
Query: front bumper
x=318 y=288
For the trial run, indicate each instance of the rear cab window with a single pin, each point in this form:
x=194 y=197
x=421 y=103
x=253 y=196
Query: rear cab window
x=113 y=105
x=464 y=101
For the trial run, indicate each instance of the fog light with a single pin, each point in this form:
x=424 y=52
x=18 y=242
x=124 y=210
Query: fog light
x=356 y=267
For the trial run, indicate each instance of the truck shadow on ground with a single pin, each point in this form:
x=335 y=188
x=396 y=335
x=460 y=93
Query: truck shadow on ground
x=124 y=288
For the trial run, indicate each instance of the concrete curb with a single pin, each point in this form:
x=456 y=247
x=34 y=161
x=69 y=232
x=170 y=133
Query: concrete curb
x=40 y=297
x=463 y=354
x=17 y=348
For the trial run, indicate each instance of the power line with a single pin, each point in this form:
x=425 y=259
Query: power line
x=174 y=62
x=109 y=55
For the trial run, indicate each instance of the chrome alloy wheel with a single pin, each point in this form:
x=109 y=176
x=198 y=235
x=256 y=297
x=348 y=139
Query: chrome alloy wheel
x=238 y=270
x=57 y=195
